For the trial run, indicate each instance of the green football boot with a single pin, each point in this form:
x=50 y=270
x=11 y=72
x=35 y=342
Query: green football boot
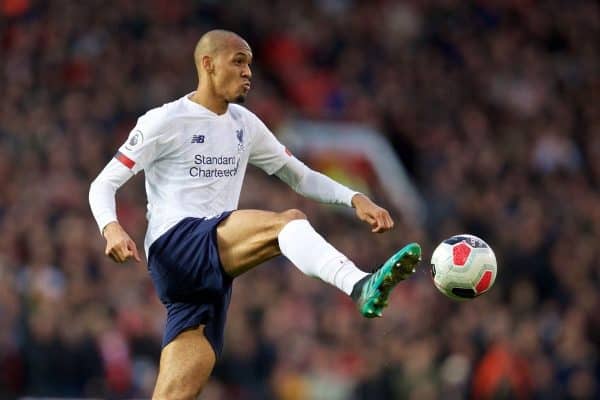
x=372 y=292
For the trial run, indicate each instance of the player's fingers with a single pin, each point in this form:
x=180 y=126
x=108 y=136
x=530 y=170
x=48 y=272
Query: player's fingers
x=378 y=226
x=122 y=252
x=369 y=219
x=134 y=251
x=121 y=255
x=110 y=253
x=389 y=224
x=117 y=251
x=374 y=225
x=114 y=256
x=384 y=221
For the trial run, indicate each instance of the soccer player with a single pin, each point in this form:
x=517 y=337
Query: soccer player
x=194 y=152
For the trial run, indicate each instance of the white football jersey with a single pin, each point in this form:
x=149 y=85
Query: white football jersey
x=195 y=160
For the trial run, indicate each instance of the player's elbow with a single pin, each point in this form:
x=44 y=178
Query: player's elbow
x=93 y=193
x=99 y=189
x=94 y=188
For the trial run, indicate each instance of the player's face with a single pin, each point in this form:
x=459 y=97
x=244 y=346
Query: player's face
x=232 y=72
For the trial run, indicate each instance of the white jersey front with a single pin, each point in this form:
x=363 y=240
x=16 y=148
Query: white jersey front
x=195 y=160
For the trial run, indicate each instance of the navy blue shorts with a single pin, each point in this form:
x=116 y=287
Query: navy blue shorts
x=190 y=281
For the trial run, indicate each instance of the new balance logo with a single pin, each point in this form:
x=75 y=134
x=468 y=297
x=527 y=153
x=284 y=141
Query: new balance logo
x=198 y=139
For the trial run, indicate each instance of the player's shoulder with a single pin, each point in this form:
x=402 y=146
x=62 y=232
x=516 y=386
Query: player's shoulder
x=159 y=118
x=238 y=111
x=247 y=117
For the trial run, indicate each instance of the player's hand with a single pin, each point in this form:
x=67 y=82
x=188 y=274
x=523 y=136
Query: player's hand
x=379 y=218
x=119 y=246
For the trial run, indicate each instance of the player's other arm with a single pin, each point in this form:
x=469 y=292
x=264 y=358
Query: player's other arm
x=270 y=155
x=119 y=245
x=319 y=187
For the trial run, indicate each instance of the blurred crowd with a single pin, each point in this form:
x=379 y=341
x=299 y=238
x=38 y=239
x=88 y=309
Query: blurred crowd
x=492 y=105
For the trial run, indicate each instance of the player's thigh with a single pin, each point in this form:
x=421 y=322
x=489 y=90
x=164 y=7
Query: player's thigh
x=185 y=366
x=249 y=237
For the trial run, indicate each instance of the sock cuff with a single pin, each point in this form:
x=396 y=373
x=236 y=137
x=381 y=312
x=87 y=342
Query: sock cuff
x=290 y=231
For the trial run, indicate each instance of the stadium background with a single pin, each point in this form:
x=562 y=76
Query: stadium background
x=492 y=105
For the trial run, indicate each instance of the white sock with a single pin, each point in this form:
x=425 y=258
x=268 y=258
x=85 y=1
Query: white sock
x=314 y=256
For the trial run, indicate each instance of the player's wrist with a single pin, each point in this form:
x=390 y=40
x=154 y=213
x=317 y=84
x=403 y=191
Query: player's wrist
x=109 y=228
x=358 y=199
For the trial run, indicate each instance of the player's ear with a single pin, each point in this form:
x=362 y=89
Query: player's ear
x=207 y=64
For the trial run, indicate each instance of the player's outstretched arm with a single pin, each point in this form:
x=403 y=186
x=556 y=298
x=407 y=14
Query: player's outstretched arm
x=379 y=218
x=316 y=186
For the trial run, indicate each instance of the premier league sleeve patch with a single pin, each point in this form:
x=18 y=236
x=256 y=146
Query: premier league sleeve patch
x=132 y=147
x=135 y=140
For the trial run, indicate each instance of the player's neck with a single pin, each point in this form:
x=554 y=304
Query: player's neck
x=210 y=101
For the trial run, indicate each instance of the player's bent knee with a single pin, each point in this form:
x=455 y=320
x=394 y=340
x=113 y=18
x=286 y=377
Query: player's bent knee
x=287 y=216
x=180 y=388
x=292 y=214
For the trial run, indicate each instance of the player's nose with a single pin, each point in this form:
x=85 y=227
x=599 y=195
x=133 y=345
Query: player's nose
x=247 y=72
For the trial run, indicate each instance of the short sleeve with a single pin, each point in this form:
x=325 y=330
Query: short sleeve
x=141 y=146
x=267 y=152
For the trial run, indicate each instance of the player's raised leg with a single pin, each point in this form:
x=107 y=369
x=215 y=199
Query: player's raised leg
x=249 y=237
x=185 y=366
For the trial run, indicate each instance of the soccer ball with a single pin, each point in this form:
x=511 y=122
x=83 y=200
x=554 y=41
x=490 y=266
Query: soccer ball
x=463 y=267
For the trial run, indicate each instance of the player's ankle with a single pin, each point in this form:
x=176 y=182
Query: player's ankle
x=357 y=289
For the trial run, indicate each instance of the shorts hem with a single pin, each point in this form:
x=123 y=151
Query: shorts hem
x=193 y=324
